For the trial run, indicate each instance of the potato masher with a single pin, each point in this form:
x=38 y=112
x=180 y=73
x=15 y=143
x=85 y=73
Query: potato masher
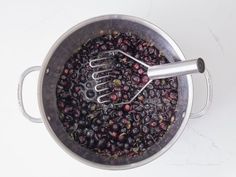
x=103 y=69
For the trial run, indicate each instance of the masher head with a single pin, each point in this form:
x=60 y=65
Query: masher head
x=111 y=70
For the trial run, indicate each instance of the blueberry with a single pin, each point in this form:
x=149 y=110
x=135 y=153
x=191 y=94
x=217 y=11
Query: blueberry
x=127 y=107
x=101 y=143
x=113 y=97
x=115 y=127
x=122 y=137
x=145 y=129
x=90 y=133
x=135 y=131
x=90 y=93
x=81 y=123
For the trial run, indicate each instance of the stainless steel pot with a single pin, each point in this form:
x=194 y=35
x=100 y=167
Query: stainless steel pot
x=62 y=50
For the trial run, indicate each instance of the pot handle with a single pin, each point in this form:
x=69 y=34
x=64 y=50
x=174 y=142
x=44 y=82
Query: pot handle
x=208 y=99
x=19 y=94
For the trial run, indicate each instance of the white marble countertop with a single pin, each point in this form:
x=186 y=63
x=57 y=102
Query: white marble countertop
x=201 y=28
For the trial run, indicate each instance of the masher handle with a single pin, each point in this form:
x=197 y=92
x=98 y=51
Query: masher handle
x=176 y=69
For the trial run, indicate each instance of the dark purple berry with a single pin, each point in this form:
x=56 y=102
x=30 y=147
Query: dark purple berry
x=136 y=66
x=90 y=93
x=127 y=107
x=126 y=88
x=113 y=97
x=145 y=129
x=101 y=143
x=135 y=131
x=145 y=79
x=122 y=137
x=140 y=71
x=115 y=127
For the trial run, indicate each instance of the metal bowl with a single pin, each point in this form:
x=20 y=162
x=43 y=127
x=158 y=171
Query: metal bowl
x=53 y=65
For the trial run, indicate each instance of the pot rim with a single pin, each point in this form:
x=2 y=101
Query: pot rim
x=44 y=67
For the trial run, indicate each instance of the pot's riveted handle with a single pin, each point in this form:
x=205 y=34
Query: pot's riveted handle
x=208 y=99
x=19 y=94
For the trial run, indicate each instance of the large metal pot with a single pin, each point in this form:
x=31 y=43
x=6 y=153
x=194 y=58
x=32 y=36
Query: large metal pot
x=62 y=50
